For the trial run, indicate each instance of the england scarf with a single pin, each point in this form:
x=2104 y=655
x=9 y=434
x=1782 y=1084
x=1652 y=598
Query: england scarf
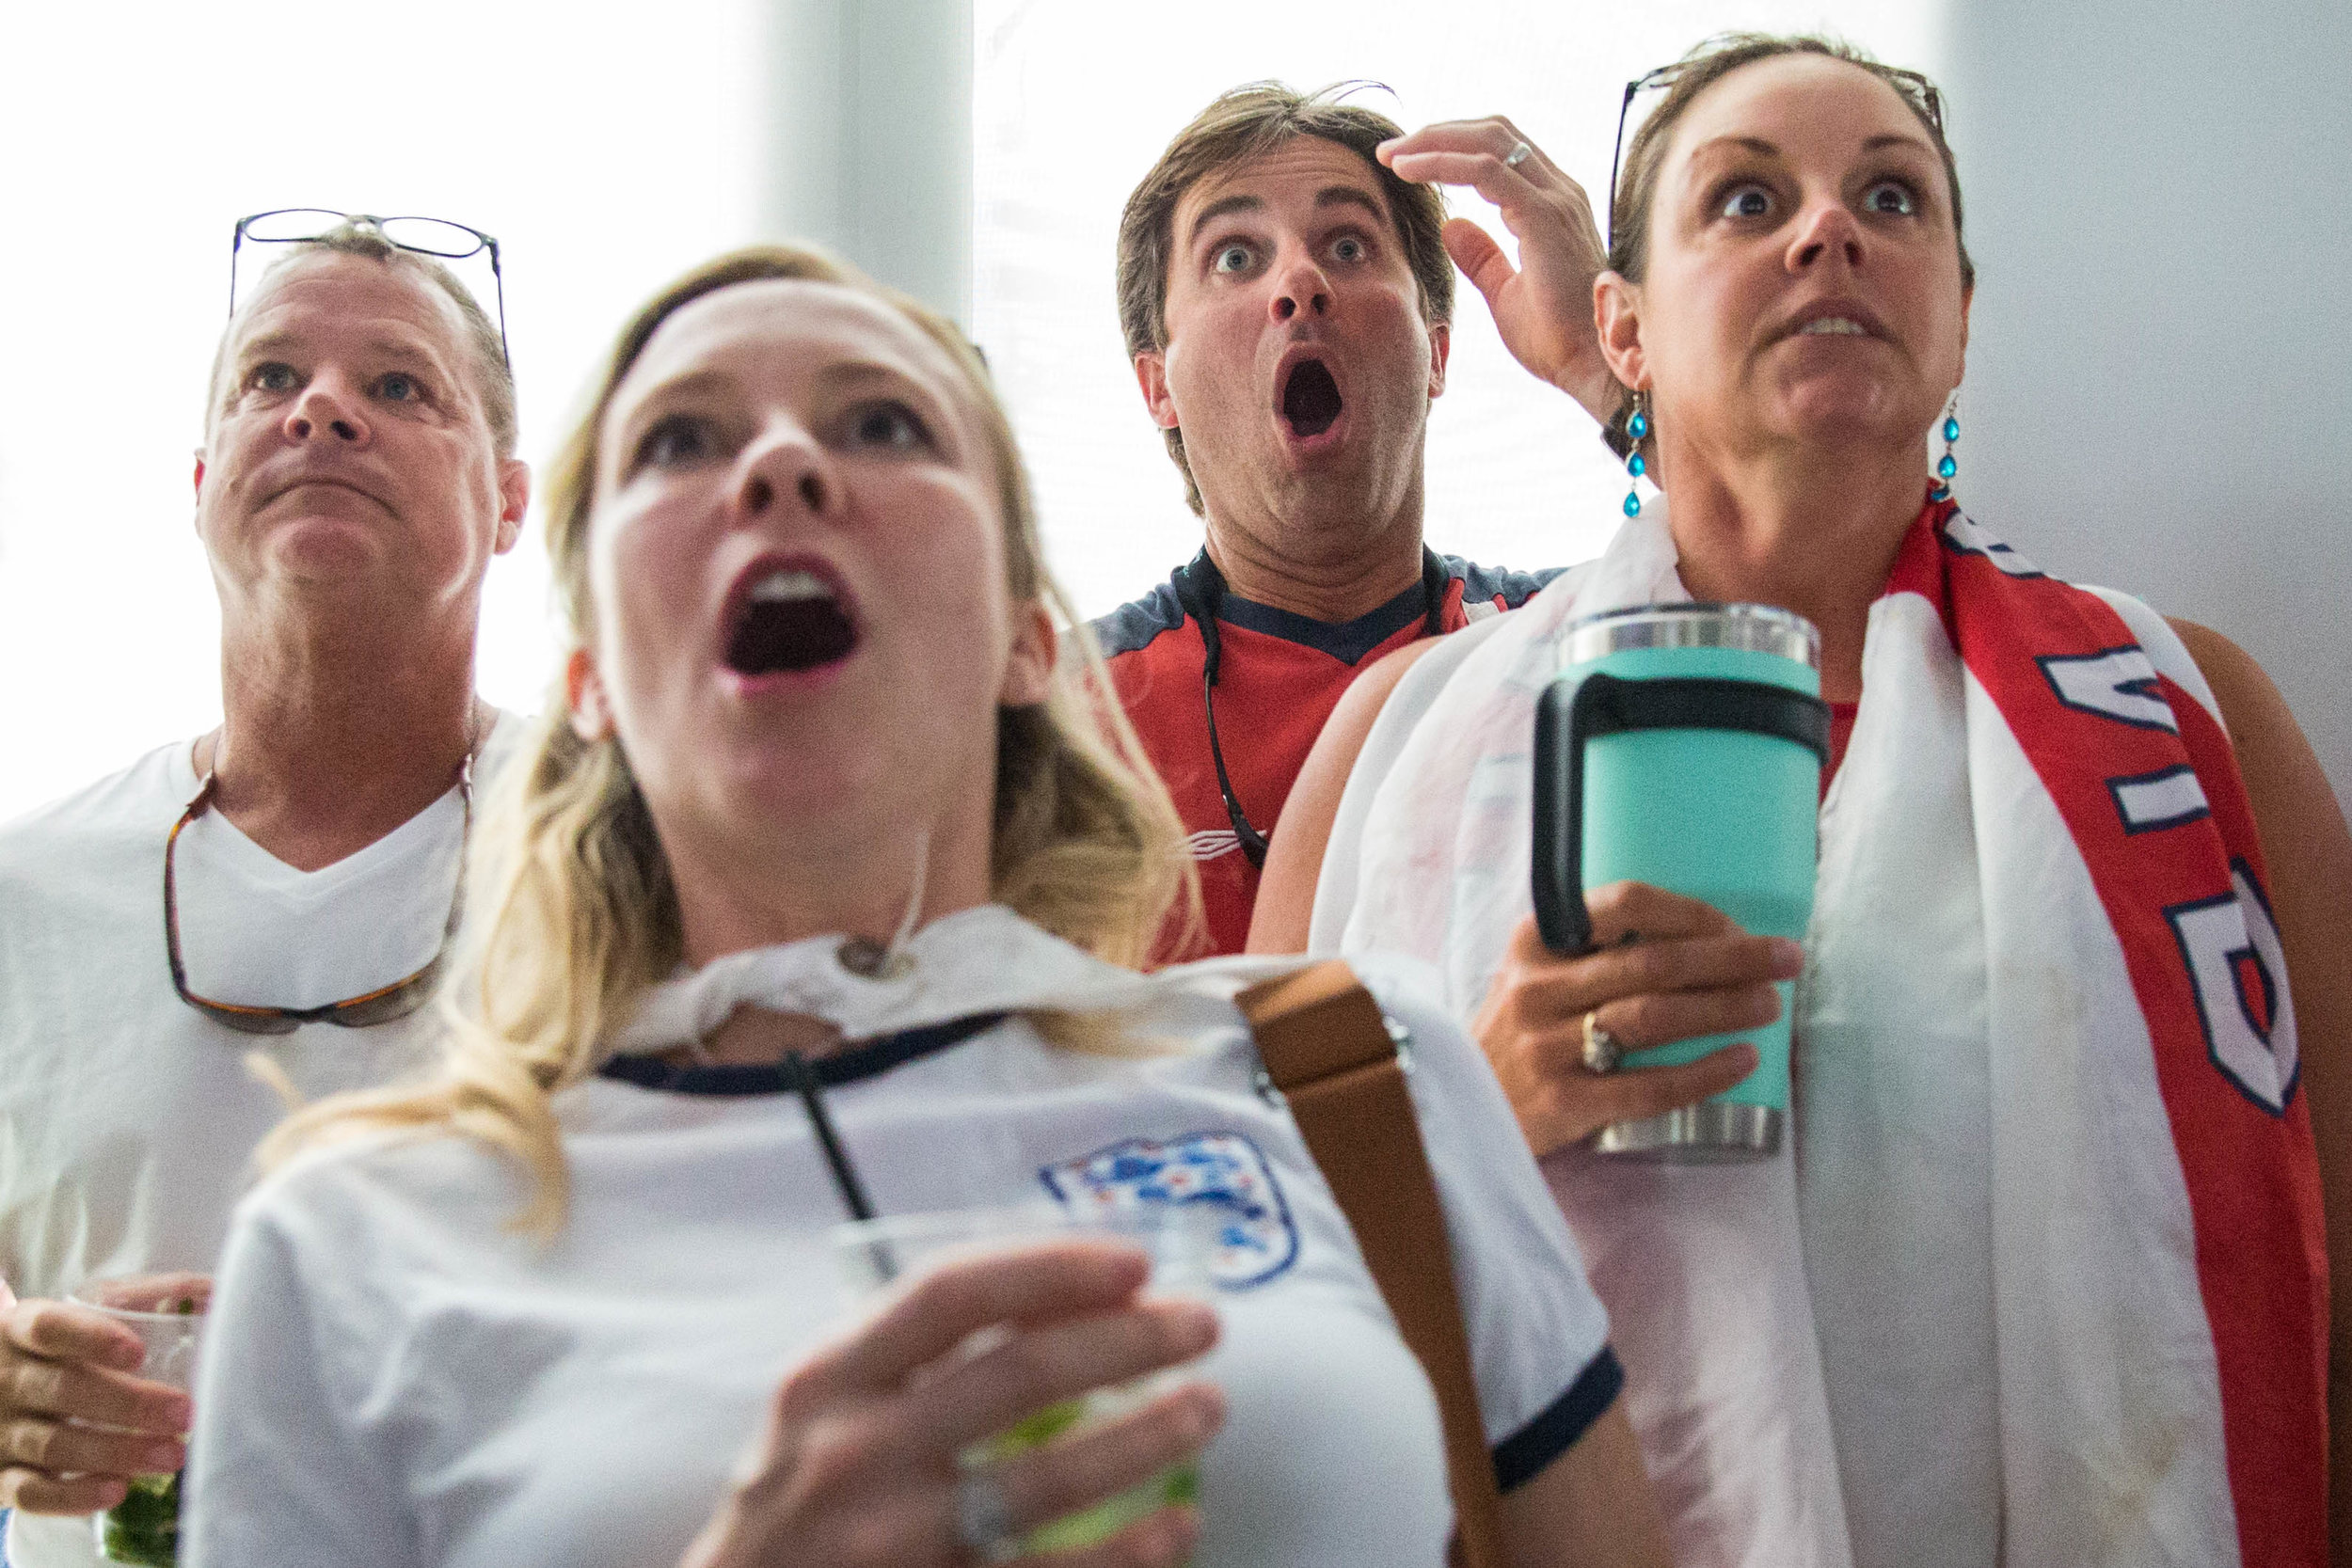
x=2042 y=1281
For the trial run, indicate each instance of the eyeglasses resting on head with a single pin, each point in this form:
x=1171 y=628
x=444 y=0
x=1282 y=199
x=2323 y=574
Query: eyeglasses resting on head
x=436 y=237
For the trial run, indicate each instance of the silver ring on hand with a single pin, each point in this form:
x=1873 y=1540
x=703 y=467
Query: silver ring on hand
x=1517 y=156
x=984 y=1523
x=1604 y=1051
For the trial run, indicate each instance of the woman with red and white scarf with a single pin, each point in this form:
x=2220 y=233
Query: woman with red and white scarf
x=2043 y=1281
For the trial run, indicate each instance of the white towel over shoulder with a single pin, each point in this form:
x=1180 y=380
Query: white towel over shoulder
x=1960 y=1319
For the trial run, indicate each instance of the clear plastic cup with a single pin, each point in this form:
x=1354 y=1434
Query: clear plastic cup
x=872 y=1254
x=166 y=1312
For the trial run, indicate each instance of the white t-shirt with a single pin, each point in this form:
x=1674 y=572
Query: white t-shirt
x=127 y=1118
x=396 y=1377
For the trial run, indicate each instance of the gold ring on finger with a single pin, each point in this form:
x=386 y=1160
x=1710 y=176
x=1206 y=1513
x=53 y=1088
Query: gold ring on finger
x=1602 y=1051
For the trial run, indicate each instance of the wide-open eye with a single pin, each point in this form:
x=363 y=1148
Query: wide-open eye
x=889 y=424
x=1746 y=201
x=1349 y=248
x=674 y=439
x=1234 y=257
x=272 y=377
x=1894 y=196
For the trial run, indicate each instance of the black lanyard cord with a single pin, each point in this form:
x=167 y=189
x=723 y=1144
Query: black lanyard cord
x=1199 y=589
x=798 y=1075
x=845 y=1179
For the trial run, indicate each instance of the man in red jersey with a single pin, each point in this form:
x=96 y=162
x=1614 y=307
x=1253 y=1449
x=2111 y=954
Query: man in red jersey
x=1286 y=284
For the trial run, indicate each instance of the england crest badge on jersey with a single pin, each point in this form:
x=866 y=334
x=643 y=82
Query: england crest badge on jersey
x=1221 y=1174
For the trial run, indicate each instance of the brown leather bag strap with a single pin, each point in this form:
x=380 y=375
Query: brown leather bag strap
x=1326 y=1046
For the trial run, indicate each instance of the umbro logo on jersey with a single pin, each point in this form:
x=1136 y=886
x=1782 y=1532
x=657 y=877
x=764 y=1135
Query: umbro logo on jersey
x=1209 y=843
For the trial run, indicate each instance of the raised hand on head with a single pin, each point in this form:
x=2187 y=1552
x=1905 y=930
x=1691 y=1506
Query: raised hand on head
x=1544 y=306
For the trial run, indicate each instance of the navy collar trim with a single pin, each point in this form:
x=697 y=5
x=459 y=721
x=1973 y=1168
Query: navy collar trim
x=1346 y=641
x=865 y=1059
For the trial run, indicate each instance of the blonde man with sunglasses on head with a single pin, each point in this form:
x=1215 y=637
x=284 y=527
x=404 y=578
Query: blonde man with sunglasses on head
x=281 y=886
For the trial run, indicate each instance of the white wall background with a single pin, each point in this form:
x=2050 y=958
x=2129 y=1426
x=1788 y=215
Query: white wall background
x=605 y=145
x=1074 y=99
x=2160 y=364
x=2156 y=388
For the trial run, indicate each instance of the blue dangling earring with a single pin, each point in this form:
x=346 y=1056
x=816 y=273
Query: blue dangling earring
x=1946 y=466
x=1635 y=465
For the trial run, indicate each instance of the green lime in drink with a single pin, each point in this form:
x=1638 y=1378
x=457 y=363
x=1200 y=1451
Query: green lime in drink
x=1088 y=1526
x=166 y=1312
x=874 y=1253
x=144 y=1528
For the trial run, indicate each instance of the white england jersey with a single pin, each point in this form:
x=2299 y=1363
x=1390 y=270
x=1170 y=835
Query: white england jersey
x=396 y=1377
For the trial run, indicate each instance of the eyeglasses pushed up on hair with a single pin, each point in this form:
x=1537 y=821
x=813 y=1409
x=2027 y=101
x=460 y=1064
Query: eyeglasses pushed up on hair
x=435 y=237
x=1921 y=92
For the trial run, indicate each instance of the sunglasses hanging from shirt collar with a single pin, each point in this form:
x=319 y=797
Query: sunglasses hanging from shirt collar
x=380 y=1005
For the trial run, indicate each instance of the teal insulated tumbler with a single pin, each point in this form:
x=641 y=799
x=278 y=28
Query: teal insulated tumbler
x=1682 y=745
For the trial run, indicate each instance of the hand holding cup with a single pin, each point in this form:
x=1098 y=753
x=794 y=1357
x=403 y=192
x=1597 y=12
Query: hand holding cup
x=1663 y=968
x=77 y=1422
x=863 y=1458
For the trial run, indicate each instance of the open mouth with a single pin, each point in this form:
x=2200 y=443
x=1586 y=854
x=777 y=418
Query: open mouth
x=1835 y=319
x=791 y=620
x=1310 y=399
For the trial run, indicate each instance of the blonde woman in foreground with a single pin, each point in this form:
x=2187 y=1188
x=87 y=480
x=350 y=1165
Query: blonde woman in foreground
x=822 y=811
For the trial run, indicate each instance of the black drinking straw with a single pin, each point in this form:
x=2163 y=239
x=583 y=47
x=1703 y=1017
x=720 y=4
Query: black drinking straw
x=837 y=1158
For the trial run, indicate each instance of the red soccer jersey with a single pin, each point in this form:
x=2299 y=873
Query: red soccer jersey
x=1279 y=676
